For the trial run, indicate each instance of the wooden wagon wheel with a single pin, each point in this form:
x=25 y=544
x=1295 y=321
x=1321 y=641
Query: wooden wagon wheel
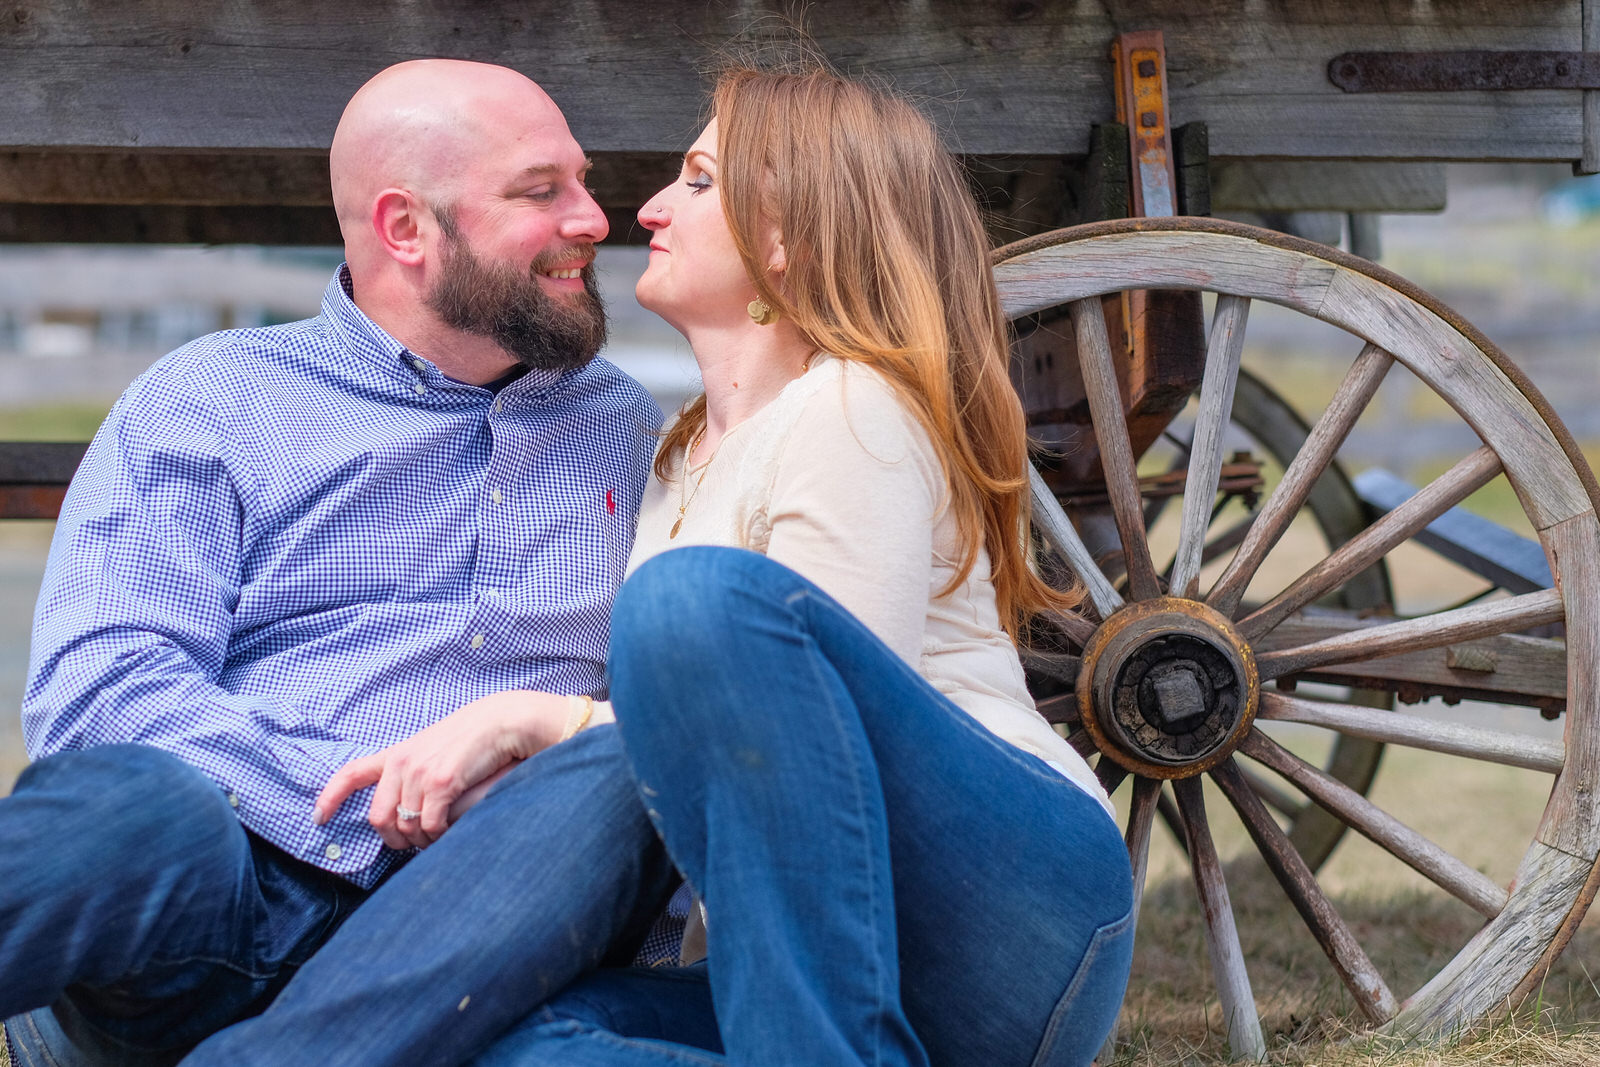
x=1172 y=677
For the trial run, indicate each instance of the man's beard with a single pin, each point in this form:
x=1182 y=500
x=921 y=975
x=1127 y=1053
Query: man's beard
x=511 y=308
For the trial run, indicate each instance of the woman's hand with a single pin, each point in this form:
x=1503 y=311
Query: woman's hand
x=431 y=770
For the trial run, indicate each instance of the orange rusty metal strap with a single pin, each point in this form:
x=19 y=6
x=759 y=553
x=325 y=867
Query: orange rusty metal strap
x=1140 y=61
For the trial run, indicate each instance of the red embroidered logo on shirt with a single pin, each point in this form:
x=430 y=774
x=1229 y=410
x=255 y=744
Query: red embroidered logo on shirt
x=611 y=505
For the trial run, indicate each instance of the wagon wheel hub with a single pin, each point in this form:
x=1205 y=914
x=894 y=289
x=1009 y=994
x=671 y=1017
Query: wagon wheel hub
x=1168 y=688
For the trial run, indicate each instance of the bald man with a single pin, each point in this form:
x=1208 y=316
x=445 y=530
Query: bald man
x=400 y=523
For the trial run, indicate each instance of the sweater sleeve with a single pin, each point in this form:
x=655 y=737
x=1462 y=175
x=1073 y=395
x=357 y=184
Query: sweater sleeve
x=856 y=496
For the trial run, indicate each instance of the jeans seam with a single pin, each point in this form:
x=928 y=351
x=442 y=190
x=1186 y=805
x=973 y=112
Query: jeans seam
x=1080 y=975
x=794 y=602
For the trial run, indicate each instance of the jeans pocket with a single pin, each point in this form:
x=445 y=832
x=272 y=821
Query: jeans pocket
x=1088 y=1009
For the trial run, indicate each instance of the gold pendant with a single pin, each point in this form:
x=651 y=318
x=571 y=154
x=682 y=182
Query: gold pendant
x=675 y=528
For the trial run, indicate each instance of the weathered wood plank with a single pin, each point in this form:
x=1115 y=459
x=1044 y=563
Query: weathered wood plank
x=164 y=224
x=1360 y=977
x=39 y=462
x=1273 y=185
x=1589 y=161
x=1572 y=818
x=252 y=74
x=263 y=179
x=1398 y=728
x=1245 y=1039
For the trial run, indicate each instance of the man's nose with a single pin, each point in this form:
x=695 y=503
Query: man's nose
x=588 y=221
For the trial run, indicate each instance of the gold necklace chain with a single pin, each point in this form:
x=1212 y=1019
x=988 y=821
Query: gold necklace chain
x=686 y=496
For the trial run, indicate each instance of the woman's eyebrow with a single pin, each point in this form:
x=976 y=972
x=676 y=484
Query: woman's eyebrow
x=687 y=156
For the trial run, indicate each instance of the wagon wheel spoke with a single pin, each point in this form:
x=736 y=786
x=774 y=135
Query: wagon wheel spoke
x=1059 y=533
x=1429 y=631
x=1368 y=988
x=1401 y=841
x=1082 y=743
x=1111 y=774
x=1396 y=728
x=1271 y=794
x=1366 y=548
x=1141 y=818
x=1225 y=347
x=1098 y=366
x=1222 y=935
x=1357 y=390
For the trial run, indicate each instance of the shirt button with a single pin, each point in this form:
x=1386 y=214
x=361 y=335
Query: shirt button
x=419 y=388
x=498 y=405
x=332 y=852
x=233 y=800
x=417 y=363
x=496 y=497
x=477 y=640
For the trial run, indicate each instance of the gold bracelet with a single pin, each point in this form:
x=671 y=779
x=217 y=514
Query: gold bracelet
x=580 y=709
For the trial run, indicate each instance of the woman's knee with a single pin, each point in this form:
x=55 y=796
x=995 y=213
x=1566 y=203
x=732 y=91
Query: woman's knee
x=680 y=606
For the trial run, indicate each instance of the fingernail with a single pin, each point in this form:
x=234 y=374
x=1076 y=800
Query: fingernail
x=317 y=818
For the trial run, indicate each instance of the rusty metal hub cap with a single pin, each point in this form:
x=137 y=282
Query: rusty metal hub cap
x=1168 y=688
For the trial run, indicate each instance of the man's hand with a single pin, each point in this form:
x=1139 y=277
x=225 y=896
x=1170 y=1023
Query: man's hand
x=431 y=770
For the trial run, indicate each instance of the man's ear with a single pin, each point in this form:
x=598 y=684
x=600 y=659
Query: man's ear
x=398 y=224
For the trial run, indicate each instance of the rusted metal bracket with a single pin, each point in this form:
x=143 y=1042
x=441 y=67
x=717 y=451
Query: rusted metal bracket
x=1140 y=62
x=1449 y=72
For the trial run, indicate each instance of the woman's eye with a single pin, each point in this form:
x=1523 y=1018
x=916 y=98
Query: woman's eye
x=700 y=183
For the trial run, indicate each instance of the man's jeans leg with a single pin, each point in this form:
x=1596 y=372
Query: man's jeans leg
x=887 y=882
x=557 y=871
x=134 y=902
x=619 y=1017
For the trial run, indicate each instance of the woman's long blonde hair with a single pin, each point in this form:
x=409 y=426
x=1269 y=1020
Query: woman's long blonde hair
x=887 y=265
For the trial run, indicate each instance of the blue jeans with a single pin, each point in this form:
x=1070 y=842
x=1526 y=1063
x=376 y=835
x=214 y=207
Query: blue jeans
x=133 y=901
x=887 y=882
x=556 y=872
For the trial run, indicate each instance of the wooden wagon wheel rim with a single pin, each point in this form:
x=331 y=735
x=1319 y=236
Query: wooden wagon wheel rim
x=1558 y=876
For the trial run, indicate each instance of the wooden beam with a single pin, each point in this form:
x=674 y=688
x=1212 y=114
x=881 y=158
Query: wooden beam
x=1271 y=185
x=188 y=179
x=1589 y=161
x=164 y=224
x=1023 y=78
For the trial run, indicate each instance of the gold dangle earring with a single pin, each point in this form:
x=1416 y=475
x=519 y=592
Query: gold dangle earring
x=761 y=312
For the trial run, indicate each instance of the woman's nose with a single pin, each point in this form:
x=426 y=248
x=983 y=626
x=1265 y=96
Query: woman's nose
x=653 y=216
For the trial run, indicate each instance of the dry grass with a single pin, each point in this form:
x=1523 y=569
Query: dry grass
x=1483 y=814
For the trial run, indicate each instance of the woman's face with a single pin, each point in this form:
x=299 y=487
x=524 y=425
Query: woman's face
x=695 y=277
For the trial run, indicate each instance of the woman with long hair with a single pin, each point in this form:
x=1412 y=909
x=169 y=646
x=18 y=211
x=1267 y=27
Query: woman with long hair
x=813 y=663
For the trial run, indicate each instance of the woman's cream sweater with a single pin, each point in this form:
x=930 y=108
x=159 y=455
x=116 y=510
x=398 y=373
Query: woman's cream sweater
x=836 y=480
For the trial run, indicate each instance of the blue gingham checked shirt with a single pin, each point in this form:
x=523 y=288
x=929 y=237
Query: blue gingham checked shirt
x=292 y=546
